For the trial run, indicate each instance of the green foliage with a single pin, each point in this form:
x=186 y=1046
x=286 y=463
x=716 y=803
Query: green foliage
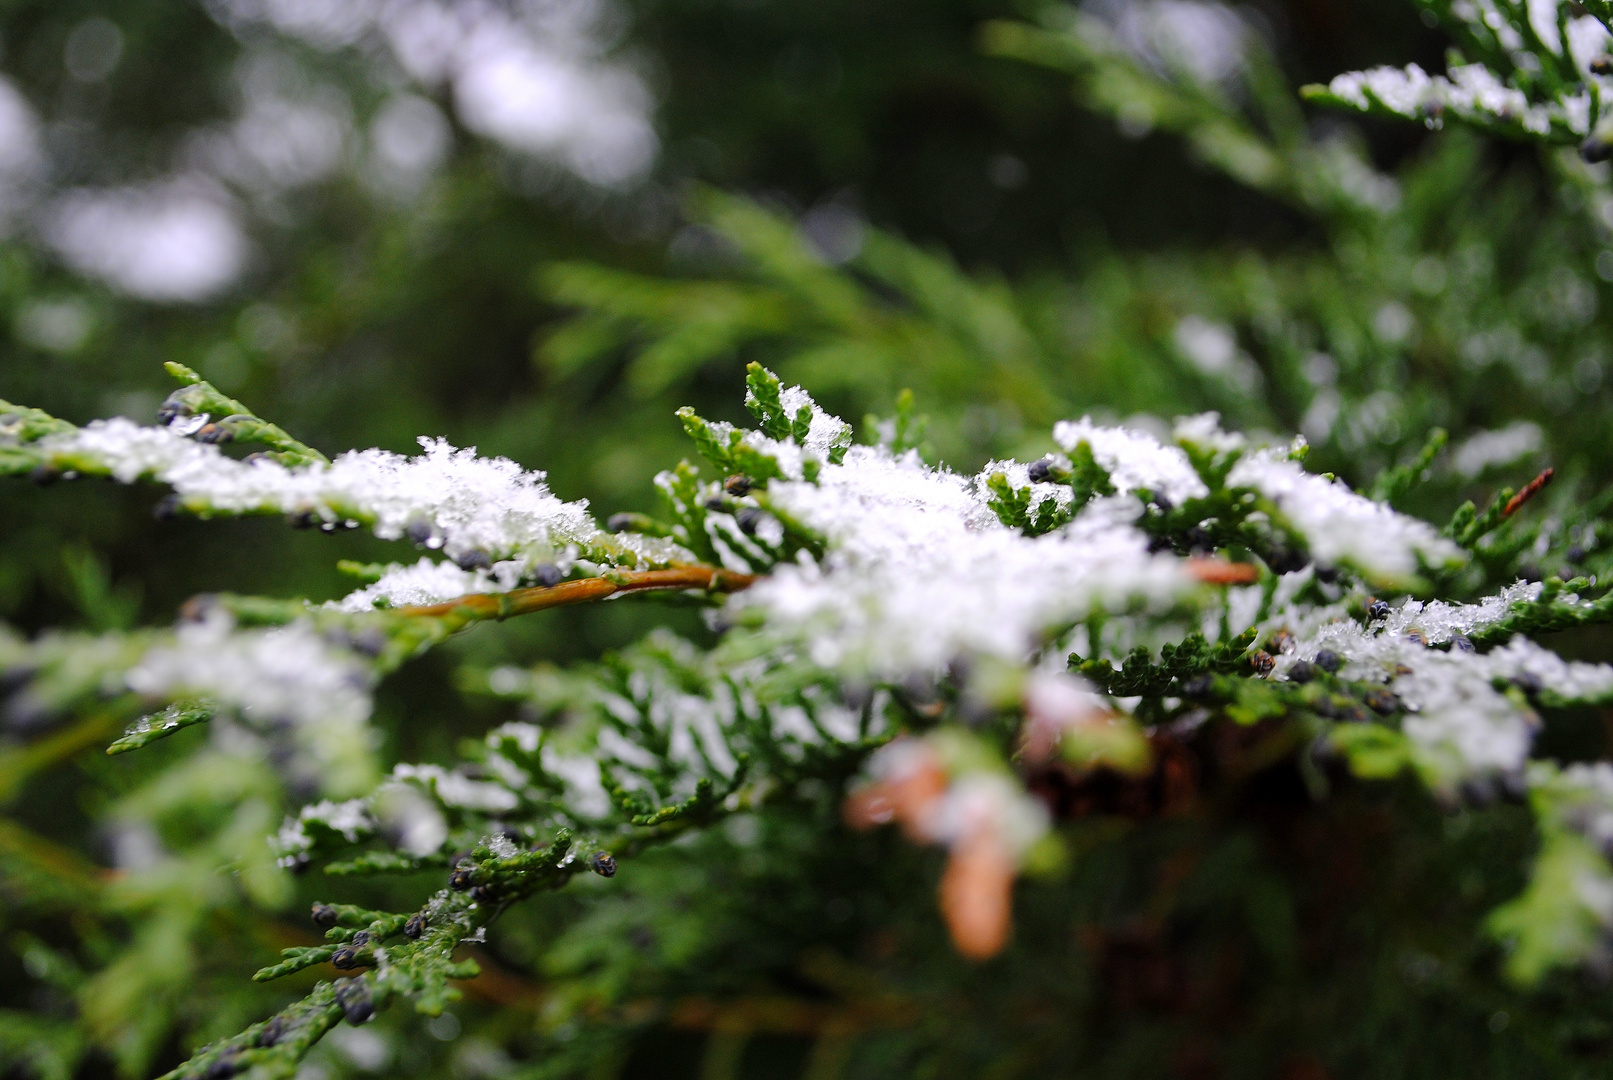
x=1240 y=258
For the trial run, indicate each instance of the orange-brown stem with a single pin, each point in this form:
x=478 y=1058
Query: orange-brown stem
x=1530 y=490
x=1222 y=572
x=582 y=591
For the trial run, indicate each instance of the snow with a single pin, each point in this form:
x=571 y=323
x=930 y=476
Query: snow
x=1341 y=527
x=448 y=498
x=1472 y=92
x=1134 y=459
x=919 y=570
x=273 y=679
x=1459 y=714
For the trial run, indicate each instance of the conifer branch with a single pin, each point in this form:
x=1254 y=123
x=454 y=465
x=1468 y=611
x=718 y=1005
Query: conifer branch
x=581 y=591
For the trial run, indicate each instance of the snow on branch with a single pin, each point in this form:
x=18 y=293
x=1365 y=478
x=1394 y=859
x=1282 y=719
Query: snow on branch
x=475 y=510
x=1044 y=622
x=1537 y=70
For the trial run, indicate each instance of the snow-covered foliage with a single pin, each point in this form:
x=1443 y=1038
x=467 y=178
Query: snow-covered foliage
x=474 y=510
x=970 y=645
x=1341 y=527
x=918 y=570
x=276 y=680
x=1532 y=70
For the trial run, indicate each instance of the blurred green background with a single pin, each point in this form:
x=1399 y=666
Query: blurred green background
x=539 y=226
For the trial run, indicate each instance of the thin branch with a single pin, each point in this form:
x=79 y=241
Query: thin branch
x=1530 y=490
x=584 y=590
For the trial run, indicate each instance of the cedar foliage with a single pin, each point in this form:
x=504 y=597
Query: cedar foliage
x=1231 y=853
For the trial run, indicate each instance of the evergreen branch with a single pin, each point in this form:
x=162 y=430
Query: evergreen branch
x=1391 y=484
x=1179 y=665
x=486 y=606
x=232 y=421
x=420 y=968
x=384 y=862
x=475 y=511
x=1530 y=490
x=1467 y=526
x=273 y=1049
x=1547 y=613
x=176 y=717
x=296 y=959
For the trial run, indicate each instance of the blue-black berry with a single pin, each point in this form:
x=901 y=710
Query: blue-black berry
x=1382 y=702
x=548 y=575
x=1329 y=661
x=353 y=995
x=221 y=1068
x=1284 y=560
x=1528 y=682
x=370 y=641
x=172 y=409
x=270 y=1033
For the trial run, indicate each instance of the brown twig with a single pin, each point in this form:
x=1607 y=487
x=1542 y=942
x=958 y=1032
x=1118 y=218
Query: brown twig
x=1530 y=490
x=1222 y=572
x=582 y=591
